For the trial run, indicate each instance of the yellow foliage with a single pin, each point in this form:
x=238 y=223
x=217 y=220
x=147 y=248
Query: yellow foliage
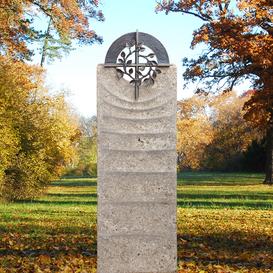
x=37 y=132
x=194 y=132
x=211 y=130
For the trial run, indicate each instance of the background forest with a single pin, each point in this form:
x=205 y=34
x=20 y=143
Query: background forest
x=43 y=138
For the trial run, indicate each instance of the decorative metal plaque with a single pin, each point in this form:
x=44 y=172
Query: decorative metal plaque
x=137 y=57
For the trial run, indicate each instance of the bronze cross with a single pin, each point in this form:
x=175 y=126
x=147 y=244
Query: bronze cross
x=138 y=77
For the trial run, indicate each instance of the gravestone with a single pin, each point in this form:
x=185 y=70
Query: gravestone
x=136 y=94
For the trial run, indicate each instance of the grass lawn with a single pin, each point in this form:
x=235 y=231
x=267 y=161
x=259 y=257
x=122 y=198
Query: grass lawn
x=225 y=224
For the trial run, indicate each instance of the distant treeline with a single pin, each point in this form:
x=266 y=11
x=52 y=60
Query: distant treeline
x=212 y=134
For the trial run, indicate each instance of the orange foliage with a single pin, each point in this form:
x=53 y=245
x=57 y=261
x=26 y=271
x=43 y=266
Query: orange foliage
x=211 y=131
x=238 y=36
x=240 y=46
x=68 y=19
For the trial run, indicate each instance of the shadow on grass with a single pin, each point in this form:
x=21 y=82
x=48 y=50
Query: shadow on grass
x=83 y=195
x=27 y=226
x=56 y=203
x=35 y=241
x=205 y=182
x=50 y=252
x=223 y=179
x=226 y=248
x=215 y=204
x=74 y=183
x=250 y=196
x=217 y=175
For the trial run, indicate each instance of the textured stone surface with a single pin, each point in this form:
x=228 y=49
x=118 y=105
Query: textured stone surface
x=136 y=175
x=137 y=217
x=138 y=161
x=141 y=142
x=138 y=187
x=137 y=253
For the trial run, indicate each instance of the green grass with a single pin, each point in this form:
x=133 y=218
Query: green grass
x=223 y=190
x=219 y=178
x=224 y=220
x=54 y=233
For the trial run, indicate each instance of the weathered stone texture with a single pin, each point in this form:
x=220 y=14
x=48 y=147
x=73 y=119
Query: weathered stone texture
x=136 y=174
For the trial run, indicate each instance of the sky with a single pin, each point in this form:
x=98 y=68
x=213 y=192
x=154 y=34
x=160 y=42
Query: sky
x=76 y=73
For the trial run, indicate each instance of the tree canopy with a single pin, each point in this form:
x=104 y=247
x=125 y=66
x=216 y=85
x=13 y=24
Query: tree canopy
x=238 y=37
x=37 y=132
x=52 y=24
x=212 y=133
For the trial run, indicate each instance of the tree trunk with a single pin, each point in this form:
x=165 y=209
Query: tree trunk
x=44 y=50
x=269 y=157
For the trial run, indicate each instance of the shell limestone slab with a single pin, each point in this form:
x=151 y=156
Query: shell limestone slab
x=136 y=174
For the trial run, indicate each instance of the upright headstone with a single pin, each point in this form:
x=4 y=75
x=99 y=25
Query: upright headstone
x=136 y=158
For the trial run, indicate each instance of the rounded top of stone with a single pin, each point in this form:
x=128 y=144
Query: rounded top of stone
x=133 y=38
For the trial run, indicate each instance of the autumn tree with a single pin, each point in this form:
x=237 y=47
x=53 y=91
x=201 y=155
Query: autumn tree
x=212 y=133
x=52 y=24
x=86 y=149
x=232 y=135
x=194 y=132
x=239 y=46
x=37 y=132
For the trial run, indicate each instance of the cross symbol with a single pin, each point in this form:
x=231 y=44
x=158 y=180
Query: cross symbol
x=138 y=77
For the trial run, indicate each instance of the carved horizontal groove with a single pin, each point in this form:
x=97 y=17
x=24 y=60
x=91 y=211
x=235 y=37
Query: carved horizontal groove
x=139 y=203
x=108 y=201
x=134 y=102
x=169 y=176
x=137 y=110
x=137 y=134
x=139 y=119
x=147 y=236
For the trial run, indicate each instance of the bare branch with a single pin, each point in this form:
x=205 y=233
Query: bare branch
x=178 y=9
